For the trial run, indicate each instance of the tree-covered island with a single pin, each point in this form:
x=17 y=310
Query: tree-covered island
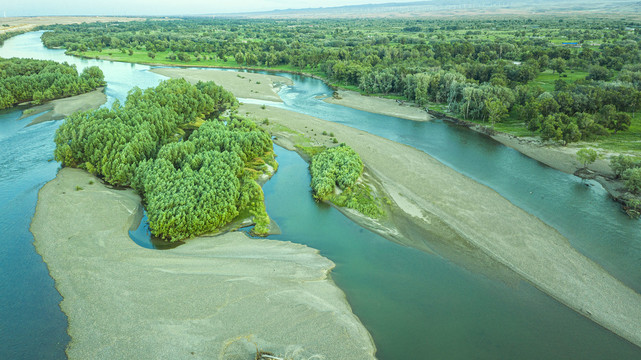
x=182 y=147
x=37 y=81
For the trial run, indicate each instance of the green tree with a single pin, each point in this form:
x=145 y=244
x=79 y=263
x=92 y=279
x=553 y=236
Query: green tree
x=586 y=156
x=599 y=73
x=558 y=65
x=496 y=110
x=620 y=122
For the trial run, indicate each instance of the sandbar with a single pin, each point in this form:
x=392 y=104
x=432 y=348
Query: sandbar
x=222 y=297
x=379 y=105
x=241 y=84
x=61 y=108
x=430 y=193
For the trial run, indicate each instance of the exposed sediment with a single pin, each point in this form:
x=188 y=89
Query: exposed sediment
x=389 y=107
x=61 y=108
x=221 y=297
x=434 y=195
x=241 y=84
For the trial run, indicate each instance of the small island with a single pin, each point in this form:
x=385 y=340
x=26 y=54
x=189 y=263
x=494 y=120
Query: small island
x=196 y=165
x=195 y=169
x=38 y=81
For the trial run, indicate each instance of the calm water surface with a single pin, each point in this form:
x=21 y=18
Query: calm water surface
x=416 y=305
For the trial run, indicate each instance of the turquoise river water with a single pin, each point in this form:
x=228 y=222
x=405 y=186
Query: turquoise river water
x=416 y=305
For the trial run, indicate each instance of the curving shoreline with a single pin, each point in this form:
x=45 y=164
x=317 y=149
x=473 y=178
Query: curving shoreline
x=443 y=201
x=560 y=158
x=210 y=298
x=430 y=195
x=378 y=105
x=61 y=108
x=242 y=85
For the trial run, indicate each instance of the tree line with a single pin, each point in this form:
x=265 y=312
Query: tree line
x=23 y=80
x=191 y=182
x=482 y=69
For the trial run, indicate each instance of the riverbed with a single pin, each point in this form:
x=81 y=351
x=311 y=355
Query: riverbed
x=416 y=305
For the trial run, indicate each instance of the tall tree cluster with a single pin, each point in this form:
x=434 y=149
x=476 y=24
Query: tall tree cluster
x=23 y=80
x=191 y=182
x=338 y=166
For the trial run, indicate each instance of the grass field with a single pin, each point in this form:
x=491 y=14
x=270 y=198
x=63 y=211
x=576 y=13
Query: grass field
x=546 y=78
x=626 y=141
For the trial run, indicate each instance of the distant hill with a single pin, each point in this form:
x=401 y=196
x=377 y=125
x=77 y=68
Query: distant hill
x=446 y=8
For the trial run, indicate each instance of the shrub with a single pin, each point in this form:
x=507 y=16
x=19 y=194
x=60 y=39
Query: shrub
x=586 y=156
x=621 y=163
x=632 y=179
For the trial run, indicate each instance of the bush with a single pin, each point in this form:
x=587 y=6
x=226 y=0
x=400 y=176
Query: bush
x=359 y=198
x=632 y=179
x=586 y=156
x=633 y=208
x=341 y=167
x=621 y=163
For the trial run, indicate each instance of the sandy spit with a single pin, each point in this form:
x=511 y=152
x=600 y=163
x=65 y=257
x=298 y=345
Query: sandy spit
x=61 y=108
x=378 y=105
x=218 y=297
x=426 y=190
x=242 y=85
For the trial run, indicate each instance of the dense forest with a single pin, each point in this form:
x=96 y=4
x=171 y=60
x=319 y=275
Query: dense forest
x=37 y=81
x=194 y=167
x=564 y=79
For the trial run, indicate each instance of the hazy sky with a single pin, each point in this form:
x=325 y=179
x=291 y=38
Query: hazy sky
x=160 y=7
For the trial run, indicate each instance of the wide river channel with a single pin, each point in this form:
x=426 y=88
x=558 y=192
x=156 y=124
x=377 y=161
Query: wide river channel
x=416 y=305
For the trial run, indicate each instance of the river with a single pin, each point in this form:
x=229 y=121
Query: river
x=415 y=304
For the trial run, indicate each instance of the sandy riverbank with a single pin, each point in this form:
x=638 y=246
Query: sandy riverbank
x=61 y=108
x=378 y=105
x=445 y=201
x=565 y=159
x=557 y=157
x=242 y=85
x=222 y=297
